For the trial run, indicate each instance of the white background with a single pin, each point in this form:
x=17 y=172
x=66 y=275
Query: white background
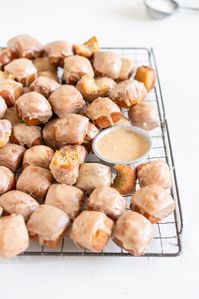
x=176 y=43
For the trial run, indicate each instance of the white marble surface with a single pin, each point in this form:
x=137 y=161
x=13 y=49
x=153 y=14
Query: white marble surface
x=120 y=23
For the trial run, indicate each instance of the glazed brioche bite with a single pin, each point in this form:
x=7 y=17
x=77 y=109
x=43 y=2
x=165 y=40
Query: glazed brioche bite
x=91 y=230
x=48 y=134
x=44 y=85
x=146 y=75
x=88 y=48
x=93 y=175
x=7 y=180
x=125 y=179
x=154 y=202
x=57 y=51
x=5 y=57
x=23 y=70
x=11 y=156
x=43 y=64
x=67 y=198
x=25 y=135
x=3 y=107
x=71 y=129
x=5 y=132
x=75 y=67
x=154 y=172
x=35 y=181
x=19 y=203
x=107 y=200
x=48 y=224
x=128 y=93
x=33 y=108
x=144 y=115
x=103 y=112
x=92 y=132
x=37 y=155
x=107 y=63
x=12 y=115
x=25 y=45
x=124 y=121
x=92 y=88
x=65 y=163
x=10 y=90
x=66 y=99
x=132 y=232
x=127 y=69
x=49 y=74
x=14 y=237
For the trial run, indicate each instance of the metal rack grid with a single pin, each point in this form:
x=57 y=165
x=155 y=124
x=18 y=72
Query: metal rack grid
x=167 y=233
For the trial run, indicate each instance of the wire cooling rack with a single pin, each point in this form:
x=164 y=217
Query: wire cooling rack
x=167 y=233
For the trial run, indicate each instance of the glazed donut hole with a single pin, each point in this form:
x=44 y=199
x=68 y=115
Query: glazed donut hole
x=57 y=52
x=5 y=131
x=12 y=115
x=44 y=86
x=103 y=112
x=147 y=76
x=7 y=180
x=33 y=108
x=35 y=181
x=91 y=230
x=75 y=67
x=19 y=203
x=25 y=135
x=14 y=237
x=43 y=64
x=107 y=63
x=38 y=155
x=23 y=70
x=5 y=57
x=10 y=90
x=66 y=99
x=3 y=107
x=88 y=48
x=25 y=46
x=125 y=179
x=49 y=74
x=48 y=134
x=67 y=198
x=92 y=88
x=11 y=156
x=144 y=115
x=127 y=69
x=154 y=202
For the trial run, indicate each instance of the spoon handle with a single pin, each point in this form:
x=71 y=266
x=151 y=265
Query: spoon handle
x=190 y=8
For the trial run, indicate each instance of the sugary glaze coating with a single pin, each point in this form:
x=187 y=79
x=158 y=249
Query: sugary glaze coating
x=92 y=88
x=12 y=115
x=37 y=155
x=3 y=107
x=125 y=179
x=127 y=69
x=144 y=115
x=47 y=224
x=154 y=202
x=23 y=70
x=26 y=135
x=91 y=230
x=75 y=67
x=48 y=134
x=10 y=90
x=71 y=129
x=44 y=85
x=67 y=198
x=25 y=45
x=5 y=131
x=107 y=200
x=146 y=75
x=35 y=181
x=7 y=180
x=107 y=63
x=18 y=202
x=57 y=51
x=93 y=175
x=14 y=237
x=33 y=108
x=43 y=64
x=123 y=121
x=66 y=99
x=49 y=74
x=103 y=112
x=133 y=232
x=92 y=132
x=11 y=156
x=154 y=172
x=5 y=57
x=88 y=48
x=65 y=163
x=128 y=93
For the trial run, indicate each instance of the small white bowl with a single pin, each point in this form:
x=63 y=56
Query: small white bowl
x=136 y=130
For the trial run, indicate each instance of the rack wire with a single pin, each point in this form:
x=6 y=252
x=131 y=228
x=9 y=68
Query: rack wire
x=167 y=233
